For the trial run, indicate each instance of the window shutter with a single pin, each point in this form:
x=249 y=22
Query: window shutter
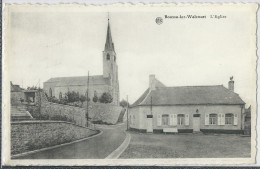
x=159 y=120
x=187 y=119
x=206 y=119
x=174 y=120
x=171 y=119
x=235 y=119
x=223 y=119
x=219 y=119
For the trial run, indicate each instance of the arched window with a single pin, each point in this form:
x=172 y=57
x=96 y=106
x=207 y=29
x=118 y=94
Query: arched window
x=114 y=58
x=50 y=92
x=213 y=119
x=108 y=56
x=60 y=96
x=165 y=119
x=180 y=119
x=229 y=118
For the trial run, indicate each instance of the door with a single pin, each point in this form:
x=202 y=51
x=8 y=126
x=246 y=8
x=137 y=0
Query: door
x=196 y=123
x=149 y=124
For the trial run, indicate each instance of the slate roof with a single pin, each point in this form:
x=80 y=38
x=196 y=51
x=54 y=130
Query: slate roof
x=189 y=95
x=79 y=80
x=109 y=46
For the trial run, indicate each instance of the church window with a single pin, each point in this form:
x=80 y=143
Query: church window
x=108 y=56
x=50 y=92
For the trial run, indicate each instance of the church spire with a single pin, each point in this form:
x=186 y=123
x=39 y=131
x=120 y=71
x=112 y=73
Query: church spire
x=109 y=46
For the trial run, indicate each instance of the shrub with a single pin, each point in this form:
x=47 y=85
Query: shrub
x=106 y=98
x=95 y=98
x=124 y=103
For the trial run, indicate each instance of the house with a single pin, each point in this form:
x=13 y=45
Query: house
x=99 y=84
x=187 y=109
x=247 y=121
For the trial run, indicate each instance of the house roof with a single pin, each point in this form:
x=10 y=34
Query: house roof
x=79 y=80
x=189 y=95
x=15 y=88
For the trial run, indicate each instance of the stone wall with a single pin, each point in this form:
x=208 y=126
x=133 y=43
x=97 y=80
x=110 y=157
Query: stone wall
x=15 y=98
x=62 y=112
x=28 y=136
x=106 y=113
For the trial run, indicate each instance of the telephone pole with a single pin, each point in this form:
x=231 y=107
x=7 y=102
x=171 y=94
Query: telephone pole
x=151 y=105
x=87 y=97
x=127 y=113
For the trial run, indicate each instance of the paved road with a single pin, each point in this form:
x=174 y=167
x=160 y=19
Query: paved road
x=94 y=148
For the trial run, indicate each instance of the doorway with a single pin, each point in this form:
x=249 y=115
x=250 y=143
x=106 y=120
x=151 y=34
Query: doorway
x=196 y=122
x=149 y=123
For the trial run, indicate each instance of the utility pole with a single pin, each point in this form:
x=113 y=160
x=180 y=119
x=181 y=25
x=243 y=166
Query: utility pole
x=127 y=113
x=151 y=105
x=87 y=97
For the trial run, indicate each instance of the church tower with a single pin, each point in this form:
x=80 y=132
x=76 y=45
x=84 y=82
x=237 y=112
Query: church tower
x=110 y=69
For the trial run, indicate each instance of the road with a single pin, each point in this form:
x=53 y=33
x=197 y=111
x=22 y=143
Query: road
x=98 y=147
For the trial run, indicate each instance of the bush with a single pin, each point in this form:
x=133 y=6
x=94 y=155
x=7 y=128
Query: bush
x=95 y=98
x=124 y=103
x=106 y=98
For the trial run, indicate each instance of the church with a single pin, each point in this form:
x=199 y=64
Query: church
x=108 y=82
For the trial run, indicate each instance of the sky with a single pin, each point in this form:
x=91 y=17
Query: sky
x=57 y=42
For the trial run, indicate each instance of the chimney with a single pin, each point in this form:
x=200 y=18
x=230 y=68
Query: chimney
x=231 y=84
x=152 y=82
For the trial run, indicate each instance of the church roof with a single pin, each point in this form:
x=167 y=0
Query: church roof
x=109 y=46
x=79 y=80
x=189 y=95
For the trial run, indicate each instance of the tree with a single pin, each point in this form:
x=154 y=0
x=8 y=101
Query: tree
x=82 y=98
x=124 y=103
x=72 y=96
x=95 y=98
x=106 y=98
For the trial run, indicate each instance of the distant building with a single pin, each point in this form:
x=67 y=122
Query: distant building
x=187 y=109
x=108 y=82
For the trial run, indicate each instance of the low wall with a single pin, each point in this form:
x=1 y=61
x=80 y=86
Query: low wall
x=28 y=136
x=104 y=112
x=62 y=112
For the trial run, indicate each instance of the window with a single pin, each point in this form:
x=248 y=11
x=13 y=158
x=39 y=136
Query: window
x=133 y=119
x=180 y=119
x=108 y=56
x=115 y=58
x=50 y=92
x=165 y=119
x=213 y=119
x=229 y=118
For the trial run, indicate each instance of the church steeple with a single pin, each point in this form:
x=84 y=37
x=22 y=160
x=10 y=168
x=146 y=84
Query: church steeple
x=109 y=46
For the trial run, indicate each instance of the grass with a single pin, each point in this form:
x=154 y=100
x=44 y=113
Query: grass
x=187 y=146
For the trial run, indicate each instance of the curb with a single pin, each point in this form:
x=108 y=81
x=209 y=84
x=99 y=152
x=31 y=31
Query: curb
x=52 y=147
x=116 y=153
